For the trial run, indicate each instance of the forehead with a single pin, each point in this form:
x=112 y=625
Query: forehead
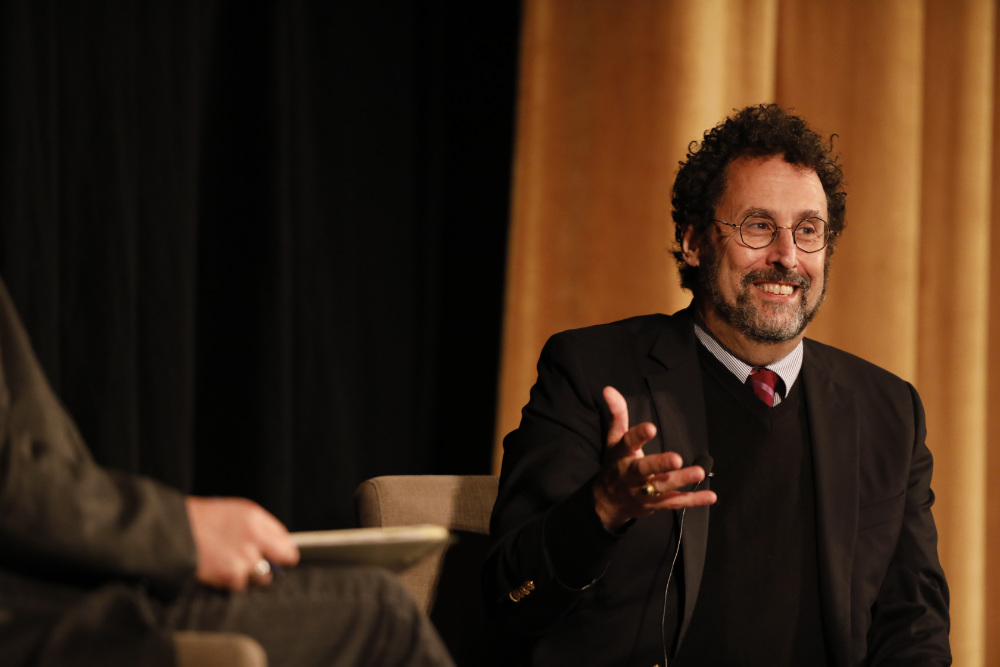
x=774 y=186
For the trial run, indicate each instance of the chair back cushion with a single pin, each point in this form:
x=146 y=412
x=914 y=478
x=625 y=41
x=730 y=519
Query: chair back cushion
x=446 y=585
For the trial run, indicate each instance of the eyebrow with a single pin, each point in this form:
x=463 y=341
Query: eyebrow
x=802 y=215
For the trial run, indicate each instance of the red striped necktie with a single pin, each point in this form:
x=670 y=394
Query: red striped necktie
x=763 y=382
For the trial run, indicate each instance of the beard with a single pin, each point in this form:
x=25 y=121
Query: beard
x=772 y=323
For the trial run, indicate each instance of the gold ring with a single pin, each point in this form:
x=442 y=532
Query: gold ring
x=649 y=490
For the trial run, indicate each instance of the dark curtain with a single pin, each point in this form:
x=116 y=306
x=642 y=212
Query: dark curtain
x=259 y=246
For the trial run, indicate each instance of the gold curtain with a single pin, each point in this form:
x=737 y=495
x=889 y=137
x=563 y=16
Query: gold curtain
x=612 y=91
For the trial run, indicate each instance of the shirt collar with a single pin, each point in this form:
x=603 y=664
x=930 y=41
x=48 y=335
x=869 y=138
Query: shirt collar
x=787 y=369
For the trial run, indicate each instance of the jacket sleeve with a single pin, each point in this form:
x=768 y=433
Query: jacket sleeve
x=62 y=515
x=910 y=618
x=548 y=544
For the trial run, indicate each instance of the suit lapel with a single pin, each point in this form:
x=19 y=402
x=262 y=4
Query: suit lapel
x=833 y=431
x=676 y=390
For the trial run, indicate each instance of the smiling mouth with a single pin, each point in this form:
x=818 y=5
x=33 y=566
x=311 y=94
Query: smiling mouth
x=781 y=289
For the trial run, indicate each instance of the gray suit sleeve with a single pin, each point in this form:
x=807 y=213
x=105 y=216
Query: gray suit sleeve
x=62 y=514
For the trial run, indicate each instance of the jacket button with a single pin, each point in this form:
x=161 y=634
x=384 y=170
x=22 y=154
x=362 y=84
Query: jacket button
x=521 y=591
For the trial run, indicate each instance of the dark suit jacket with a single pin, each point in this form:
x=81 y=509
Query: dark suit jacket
x=883 y=594
x=68 y=526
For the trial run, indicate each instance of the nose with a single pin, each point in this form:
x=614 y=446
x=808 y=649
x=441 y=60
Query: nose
x=783 y=250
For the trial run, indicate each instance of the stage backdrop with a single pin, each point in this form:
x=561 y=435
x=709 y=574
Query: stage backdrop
x=258 y=244
x=612 y=92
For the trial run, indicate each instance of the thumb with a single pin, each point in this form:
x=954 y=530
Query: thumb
x=619 y=415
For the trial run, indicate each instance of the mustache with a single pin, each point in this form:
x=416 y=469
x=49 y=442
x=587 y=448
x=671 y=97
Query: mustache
x=773 y=275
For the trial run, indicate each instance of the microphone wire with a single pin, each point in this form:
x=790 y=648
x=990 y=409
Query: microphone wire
x=706 y=462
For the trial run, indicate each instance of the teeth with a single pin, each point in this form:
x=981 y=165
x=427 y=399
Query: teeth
x=773 y=288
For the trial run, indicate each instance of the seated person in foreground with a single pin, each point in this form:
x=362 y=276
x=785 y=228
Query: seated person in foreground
x=98 y=567
x=608 y=545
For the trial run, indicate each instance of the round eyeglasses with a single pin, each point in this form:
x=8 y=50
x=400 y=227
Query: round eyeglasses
x=758 y=230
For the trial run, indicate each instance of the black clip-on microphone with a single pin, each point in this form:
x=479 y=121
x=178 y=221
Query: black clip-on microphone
x=706 y=462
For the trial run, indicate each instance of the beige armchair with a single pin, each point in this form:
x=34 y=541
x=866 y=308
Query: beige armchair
x=446 y=585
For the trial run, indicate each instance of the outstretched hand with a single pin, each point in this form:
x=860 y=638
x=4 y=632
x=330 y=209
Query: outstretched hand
x=232 y=536
x=632 y=485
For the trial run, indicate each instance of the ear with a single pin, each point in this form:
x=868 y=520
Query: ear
x=690 y=247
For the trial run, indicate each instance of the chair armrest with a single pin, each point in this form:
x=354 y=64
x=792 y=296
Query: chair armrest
x=218 y=649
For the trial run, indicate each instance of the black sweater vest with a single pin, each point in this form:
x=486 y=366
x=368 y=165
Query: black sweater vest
x=759 y=597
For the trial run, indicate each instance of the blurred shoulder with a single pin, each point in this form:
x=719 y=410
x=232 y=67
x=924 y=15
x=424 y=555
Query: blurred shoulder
x=639 y=331
x=859 y=375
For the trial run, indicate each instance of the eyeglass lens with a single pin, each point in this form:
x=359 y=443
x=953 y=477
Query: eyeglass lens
x=810 y=234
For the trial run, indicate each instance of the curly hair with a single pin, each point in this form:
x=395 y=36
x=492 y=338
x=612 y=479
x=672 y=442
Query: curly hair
x=761 y=131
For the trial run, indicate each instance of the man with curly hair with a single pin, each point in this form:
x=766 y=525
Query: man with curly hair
x=711 y=487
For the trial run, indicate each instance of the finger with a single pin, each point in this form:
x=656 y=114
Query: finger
x=635 y=437
x=234 y=575
x=639 y=435
x=274 y=541
x=677 y=480
x=676 y=500
x=281 y=551
x=236 y=583
x=658 y=464
x=619 y=414
x=261 y=572
x=659 y=485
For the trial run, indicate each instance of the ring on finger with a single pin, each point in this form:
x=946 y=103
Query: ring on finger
x=649 y=490
x=262 y=568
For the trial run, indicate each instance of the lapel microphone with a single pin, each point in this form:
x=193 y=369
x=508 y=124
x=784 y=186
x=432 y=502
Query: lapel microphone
x=706 y=462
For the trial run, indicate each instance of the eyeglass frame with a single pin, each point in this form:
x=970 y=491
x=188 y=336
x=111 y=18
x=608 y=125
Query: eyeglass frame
x=829 y=234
